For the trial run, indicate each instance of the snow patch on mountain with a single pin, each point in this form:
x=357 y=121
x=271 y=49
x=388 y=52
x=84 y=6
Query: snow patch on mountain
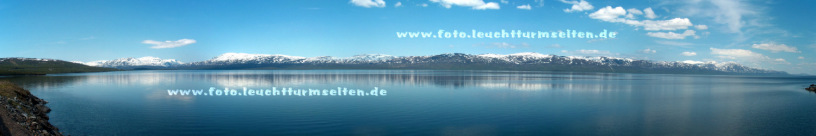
x=531 y=54
x=692 y=62
x=133 y=62
x=490 y=55
x=523 y=59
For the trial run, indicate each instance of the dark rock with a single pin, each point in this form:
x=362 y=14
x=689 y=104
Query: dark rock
x=23 y=113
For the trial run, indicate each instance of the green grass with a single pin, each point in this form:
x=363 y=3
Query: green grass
x=10 y=90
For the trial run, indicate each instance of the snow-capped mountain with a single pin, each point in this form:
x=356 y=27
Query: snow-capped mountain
x=519 y=61
x=244 y=58
x=129 y=63
x=370 y=58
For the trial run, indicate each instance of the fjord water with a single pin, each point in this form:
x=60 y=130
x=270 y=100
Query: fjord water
x=429 y=102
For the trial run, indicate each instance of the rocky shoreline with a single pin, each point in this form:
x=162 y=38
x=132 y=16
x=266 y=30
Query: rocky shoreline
x=23 y=113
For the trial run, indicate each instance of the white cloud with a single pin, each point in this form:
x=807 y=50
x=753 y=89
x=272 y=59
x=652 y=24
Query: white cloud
x=540 y=3
x=800 y=57
x=731 y=13
x=672 y=35
x=599 y=40
x=632 y=12
x=737 y=54
x=504 y=1
x=746 y=56
x=491 y=5
x=674 y=43
x=781 y=61
x=424 y=5
x=368 y=3
x=578 y=6
x=474 y=4
x=746 y=19
x=701 y=27
x=504 y=45
x=689 y=53
x=672 y=24
x=589 y=52
x=399 y=4
x=807 y=64
x=610 y=14
x=168 y=44
x=649 y=13
x=524 y=7
x=511 y=46
x=555 y=46
x=593 y=52
x=773 y=47
x=648 y=51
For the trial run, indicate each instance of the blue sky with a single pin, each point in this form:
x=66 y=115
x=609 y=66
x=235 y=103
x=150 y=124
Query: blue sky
x=777 y=35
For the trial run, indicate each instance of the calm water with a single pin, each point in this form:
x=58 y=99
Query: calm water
x=428 y=103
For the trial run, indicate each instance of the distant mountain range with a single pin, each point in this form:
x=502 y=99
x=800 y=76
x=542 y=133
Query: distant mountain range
x=451 y=61
x=34 y=66
x=135 y=63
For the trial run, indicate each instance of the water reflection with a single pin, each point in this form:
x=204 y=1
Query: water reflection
x=428 y=103
x=518 y=81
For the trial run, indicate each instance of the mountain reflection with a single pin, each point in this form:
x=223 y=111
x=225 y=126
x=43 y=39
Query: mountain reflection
x=438 y=102
x=500 y=80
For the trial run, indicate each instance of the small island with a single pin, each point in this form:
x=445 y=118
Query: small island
x=812 y=88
